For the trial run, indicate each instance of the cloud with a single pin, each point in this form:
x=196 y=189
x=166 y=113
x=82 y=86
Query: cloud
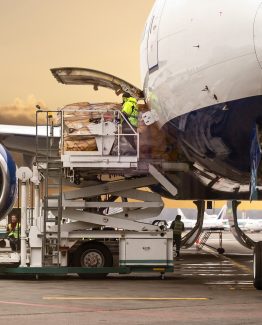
x=21 y=112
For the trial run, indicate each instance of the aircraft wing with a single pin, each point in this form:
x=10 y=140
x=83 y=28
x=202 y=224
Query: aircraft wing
x=7 y=130
x=20 y=138
x=29 y=131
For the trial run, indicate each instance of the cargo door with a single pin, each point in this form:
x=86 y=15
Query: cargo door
x=152 y=45
x=82 y=76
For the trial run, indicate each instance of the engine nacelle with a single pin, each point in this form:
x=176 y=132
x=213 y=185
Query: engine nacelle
x=8 y=182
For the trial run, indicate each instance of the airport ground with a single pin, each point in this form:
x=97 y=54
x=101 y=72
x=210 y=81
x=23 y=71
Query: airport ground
x=205 y=288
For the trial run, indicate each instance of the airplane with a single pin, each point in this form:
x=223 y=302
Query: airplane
x=199 y=106
x=220 y=221
x=253 y=225
x=253 y=221
x=244 y=223
x=214 y=221
x=201 y=76
x=241 y=224
x=210 y=221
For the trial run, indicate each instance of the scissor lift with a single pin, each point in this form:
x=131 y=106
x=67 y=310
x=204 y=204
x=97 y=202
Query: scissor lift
x=95 y=227
x=89 y=205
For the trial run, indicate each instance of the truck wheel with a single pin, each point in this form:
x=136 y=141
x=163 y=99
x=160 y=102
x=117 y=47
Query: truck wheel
x=257 y=265
x=92 y=255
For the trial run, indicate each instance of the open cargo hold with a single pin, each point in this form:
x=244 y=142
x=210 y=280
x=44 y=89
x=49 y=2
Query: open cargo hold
x=79 y=119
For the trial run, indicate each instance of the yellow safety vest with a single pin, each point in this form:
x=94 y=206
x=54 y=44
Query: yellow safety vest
x=178 y=227
x=130 y=109
x=14 y=233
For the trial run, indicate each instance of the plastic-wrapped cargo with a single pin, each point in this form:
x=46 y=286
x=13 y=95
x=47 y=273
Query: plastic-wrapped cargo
x=80 y=118
x=79 y=121
x=80 y=145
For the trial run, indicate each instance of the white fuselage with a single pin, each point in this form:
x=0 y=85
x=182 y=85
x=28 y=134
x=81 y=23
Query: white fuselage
x=201 y=69
x=188 y=45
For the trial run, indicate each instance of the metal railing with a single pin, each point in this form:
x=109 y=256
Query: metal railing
x=50 y=130
x=96 y=129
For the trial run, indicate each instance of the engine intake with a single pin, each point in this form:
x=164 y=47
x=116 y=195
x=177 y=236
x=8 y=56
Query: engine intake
x=8 y=182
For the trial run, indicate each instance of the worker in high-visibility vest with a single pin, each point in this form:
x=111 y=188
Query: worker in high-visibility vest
x=13 y=233
x=130 y=112
x=178 y=227
x=130 y=109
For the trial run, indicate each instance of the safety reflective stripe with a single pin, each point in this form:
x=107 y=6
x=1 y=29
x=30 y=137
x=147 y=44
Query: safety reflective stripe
x=131 y=110
x=178 y=228
x=133 y=121
x=133 y=118
x=14 y=232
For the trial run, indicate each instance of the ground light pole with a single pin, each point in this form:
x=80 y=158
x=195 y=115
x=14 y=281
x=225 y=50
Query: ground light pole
x=24 y=174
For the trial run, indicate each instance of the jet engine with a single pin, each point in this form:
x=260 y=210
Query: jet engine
x=8 y=182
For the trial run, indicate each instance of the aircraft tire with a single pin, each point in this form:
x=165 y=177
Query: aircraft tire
x=257 y=266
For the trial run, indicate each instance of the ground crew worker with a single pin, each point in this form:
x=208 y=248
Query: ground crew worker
x=130 y=109
x=130 y=112
x=178 y=227
x=13 y=233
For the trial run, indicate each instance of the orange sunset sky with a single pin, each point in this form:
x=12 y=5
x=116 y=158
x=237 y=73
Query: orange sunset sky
x=37 y=35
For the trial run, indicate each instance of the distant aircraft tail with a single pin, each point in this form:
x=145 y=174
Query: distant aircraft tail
x=222 y=212
x=181 y=213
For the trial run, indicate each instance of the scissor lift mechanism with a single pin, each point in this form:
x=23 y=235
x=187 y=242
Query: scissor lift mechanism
x=103 y=212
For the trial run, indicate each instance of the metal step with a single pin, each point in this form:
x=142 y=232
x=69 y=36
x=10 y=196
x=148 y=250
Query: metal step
x=52 y=197
x=51 y=220
x=204 y=239
x=54 y=185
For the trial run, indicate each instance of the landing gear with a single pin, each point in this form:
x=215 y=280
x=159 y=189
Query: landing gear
x=247 y=242
x=191 y=237
x=238 y=233
x=93 y=255
x=258 y=266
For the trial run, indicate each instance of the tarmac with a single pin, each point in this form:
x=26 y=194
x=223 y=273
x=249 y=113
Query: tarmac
x=205 y=288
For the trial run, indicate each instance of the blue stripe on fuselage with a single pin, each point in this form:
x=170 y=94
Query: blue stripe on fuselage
x=218 y=136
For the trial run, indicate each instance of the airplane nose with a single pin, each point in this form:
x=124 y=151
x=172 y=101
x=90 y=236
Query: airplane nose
x=258 y=35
